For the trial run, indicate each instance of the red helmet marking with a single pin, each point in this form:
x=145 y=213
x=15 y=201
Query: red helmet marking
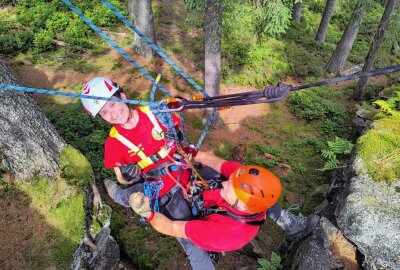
x=86 y=90
x=110 y=88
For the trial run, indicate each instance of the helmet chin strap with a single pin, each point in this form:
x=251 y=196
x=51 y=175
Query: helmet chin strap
x=235 y=205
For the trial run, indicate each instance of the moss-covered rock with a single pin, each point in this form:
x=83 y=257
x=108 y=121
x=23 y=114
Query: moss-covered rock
x=76 y=169
x=60 y=222
x=379 y=148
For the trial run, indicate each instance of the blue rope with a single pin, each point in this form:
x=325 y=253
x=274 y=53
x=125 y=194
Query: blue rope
x=154 y=88
x=152 y=190
x=154 y=47
x=66 y=94
x=165 y=118
x=206 y=127
x=114 y=45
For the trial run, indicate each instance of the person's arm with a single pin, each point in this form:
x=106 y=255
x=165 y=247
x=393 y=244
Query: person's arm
x=210 y=160
x=169 y=227
x=119 y=176
x=141 y=205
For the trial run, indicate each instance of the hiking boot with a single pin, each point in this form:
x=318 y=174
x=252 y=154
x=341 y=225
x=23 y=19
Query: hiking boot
x=297 y=226
x=111 y=187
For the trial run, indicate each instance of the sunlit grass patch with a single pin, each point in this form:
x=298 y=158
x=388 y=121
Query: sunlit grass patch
x=380 y=149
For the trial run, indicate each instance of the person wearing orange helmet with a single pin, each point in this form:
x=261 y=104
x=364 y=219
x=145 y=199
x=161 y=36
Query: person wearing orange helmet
x=230 y=216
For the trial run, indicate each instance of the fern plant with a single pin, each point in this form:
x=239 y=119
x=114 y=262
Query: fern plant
x=336 y=147
x=390 y=107
x=273 y=264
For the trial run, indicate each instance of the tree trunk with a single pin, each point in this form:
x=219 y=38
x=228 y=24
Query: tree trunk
x=29 y=143
x=326 y=17
x=142 y=14
x=373 y=50
x=296 y=14
x=342 y=50
x=213 y=31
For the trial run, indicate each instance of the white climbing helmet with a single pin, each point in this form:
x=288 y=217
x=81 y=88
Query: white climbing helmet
x=100 y=87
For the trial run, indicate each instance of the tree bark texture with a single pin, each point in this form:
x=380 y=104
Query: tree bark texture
x=29 y=143
x=342 y=50
x=374 y=48
x=326 y=17
x=213 y=32
x=142 y=14
x=296 y=14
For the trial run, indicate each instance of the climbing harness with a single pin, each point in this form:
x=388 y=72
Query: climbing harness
x=152 y=190
x=134 y=150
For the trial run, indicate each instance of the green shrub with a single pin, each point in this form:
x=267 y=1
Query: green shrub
x=58 y=22
x=321 y=104
x=36 y=15
x=14 y=41
x=102 y=16
x=77 y=33
x=43 y=41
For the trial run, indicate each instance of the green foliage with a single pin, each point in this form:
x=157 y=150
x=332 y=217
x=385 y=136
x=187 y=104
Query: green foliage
x=42 y=41
x=321 y=104
x=272 y=17
x=225 y=150
x=77 y=33
x=255 y=155
x=76 y=168
x=102 y=16
x=13 y=41
x=390 y=107
x=337 y=147
x=53 y=19
x=85 y=133
x=273 y=264
x=58 y=22
x=379 y=148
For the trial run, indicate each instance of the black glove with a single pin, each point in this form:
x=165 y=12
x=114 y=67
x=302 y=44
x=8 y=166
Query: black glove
x=131 y=172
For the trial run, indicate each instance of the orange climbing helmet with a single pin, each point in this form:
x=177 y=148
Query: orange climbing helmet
x=256 y=187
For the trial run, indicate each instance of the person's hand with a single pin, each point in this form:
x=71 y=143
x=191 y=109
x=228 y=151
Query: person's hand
x=130 y=172
x=140 y=204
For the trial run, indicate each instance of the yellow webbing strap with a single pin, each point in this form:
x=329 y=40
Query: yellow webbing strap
x=145 y=161
x=150 y=115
